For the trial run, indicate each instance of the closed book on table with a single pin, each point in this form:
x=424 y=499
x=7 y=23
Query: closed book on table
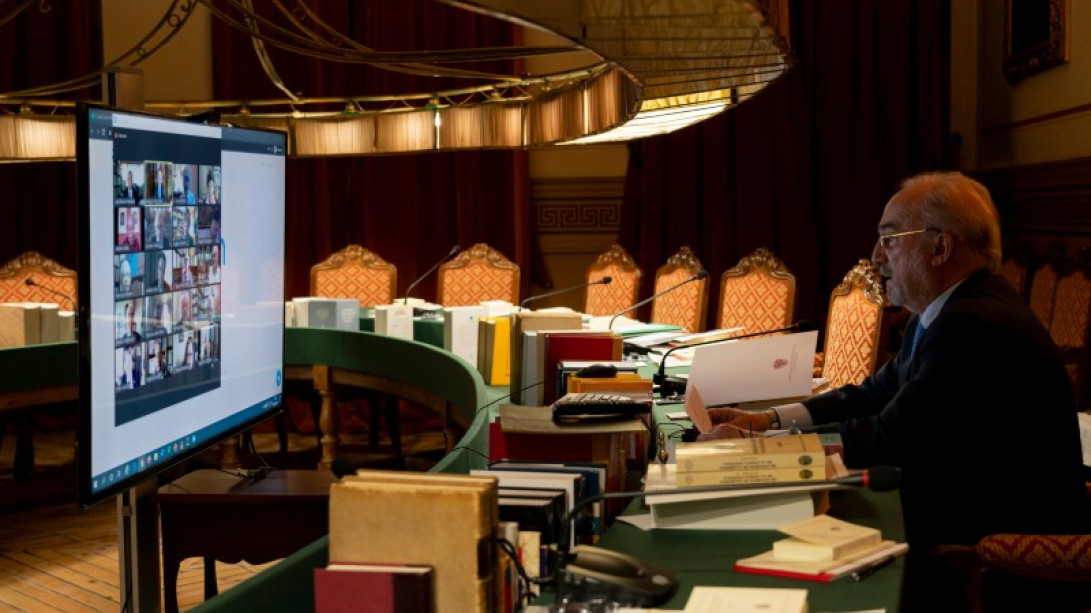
x=443 y=521
x=494 y=350
x=372 y=588
x=460 y=330
x=49 y=331
x=749 y=454
x=534 y=322
x=395 y=320
x=584 y=345
x=20 y=324
x=824 y=538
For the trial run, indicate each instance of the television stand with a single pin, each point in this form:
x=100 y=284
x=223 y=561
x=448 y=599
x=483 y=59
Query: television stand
x=219 y=516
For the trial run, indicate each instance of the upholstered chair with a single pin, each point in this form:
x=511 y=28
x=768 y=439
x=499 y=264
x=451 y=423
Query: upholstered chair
x=1015 y=267
x=621 y=293
x=853 y=326
x=687 y=305
x=1043 y=284
x=355 y=272
x=44 y=273
x=476 y=274
x=1070 y=324
x=758 y=294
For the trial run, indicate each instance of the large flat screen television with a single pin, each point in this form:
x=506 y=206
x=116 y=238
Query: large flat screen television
x=181 y=285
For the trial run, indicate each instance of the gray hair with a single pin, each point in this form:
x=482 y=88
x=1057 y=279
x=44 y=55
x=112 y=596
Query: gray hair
x=955 y=203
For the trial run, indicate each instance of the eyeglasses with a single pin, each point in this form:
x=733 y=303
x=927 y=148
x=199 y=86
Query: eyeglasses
x=886 y=241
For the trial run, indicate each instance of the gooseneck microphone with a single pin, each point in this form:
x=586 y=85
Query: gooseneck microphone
x=414 y=284
x=700 y=274
x=602 y=281
x=31 y=282
x=588 y=572
x=666 y=383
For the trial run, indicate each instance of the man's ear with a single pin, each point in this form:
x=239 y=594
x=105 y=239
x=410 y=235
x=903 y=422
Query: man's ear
x=942 y=248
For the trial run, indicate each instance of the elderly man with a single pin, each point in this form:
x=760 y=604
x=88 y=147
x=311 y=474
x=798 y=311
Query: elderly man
x=976 y=408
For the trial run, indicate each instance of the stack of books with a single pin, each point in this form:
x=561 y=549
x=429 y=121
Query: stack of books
x=822 y=549
x=798 y=457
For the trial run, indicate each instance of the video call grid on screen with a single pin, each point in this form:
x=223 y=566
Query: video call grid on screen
x=181 y=349
x=167 y=287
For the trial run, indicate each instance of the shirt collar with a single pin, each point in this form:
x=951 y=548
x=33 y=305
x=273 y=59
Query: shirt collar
x=932 y=311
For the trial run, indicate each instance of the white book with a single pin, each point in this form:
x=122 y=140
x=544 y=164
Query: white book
x=394 y=320
x=49 y=324
x=289 y=314
x=706 y=599
x=496 y=308
x=460 y=328
x=66 y=326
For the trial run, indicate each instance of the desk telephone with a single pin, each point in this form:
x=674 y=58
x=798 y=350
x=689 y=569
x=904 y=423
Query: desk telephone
x=581 y=406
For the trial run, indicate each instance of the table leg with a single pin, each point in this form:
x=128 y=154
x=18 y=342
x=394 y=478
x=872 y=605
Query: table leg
x=171 y=567
x=211 y=587
x=327 y=420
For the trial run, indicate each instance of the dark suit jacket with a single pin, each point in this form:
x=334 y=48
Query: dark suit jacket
x=980 y=419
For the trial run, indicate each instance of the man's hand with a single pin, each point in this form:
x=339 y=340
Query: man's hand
x=733 y=423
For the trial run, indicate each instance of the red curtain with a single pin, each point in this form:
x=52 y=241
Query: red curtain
x=806 y=166
x=38 y=200
x=410 y=209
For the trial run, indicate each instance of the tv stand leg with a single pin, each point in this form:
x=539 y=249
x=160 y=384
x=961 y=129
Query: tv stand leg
x=138 y=548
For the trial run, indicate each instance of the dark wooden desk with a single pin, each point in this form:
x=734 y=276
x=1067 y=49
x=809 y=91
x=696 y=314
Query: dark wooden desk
x=218 y=516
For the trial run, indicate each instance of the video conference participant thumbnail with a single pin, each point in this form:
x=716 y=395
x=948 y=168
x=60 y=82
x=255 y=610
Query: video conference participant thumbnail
x=128 y=230
x=128 y=275
x=128 y=182
x=210 y=185
x=157 y=227
x=157 y=184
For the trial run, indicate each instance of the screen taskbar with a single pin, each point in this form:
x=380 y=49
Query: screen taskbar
x=170 y=451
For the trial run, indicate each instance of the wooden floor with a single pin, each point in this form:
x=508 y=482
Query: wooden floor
x=56 y=557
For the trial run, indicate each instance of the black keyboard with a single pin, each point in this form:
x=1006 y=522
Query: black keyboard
x=596 y=405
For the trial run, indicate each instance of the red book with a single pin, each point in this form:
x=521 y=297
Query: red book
x=372 y=588
x=591 y=346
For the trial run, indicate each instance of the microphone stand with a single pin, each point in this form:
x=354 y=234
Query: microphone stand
x=701 y=274
x=32 y=283
x=602 y=281
x=414 y=284
x=664 y=382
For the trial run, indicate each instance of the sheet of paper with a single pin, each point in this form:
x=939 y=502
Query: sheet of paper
x=755 y=369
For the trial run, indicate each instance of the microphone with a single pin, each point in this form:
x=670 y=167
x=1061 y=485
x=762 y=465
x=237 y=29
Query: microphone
x=412 y=285
x=602 y=281
x=32 y=283
x=672 y=383
x=701 y=274
x=572 y=573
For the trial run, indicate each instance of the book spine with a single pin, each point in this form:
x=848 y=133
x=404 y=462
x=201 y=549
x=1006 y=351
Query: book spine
x=702 y=462
x=820 y=577
x=742 y=477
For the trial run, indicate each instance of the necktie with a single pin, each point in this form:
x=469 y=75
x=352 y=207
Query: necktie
x=916 y=338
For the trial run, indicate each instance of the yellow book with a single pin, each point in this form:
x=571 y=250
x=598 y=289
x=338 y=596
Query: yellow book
x=500 y=373
x=746 y=477
x=623 y=382
x=824 y=538
x=748 y=454
x=443 y=521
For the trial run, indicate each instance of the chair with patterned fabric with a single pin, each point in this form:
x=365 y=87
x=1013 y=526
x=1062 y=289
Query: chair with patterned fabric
x=1015 y=267
x=1070 y=325
x=853 y=327
x=48 y=281
x=1043 y=284
x=1021 y=572
x=687 y=305
x=758 y=294
x=355 y=272
x=621 y=293
x=476 y=274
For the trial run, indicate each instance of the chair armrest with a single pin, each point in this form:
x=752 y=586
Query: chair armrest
x=1054 y=558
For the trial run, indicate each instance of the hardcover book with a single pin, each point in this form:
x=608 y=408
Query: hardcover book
x=372 y=588
x=390 y=517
